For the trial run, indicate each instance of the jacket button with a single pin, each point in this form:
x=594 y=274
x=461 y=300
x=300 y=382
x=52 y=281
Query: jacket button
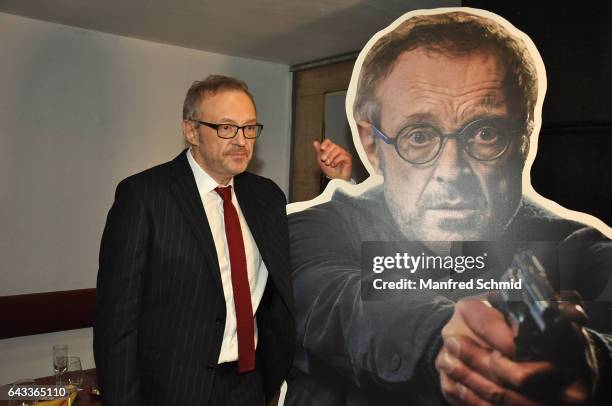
x=210 y=366
x=218 y=321
x=396 y=362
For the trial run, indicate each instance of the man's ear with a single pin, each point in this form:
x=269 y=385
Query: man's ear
x=368 y=140
x=190 y=132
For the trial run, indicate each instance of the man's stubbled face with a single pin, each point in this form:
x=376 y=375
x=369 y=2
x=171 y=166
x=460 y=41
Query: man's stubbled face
x=453 y=197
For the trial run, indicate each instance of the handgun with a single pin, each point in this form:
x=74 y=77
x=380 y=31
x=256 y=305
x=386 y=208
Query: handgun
x=545 y=331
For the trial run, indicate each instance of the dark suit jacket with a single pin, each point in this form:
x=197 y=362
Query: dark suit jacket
x=356 y=352
x=160 y=310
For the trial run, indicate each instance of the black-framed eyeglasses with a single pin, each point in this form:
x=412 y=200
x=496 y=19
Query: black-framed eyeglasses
x=484 y=140
x=230 y=130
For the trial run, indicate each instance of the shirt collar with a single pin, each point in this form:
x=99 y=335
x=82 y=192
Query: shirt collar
x=204 y=181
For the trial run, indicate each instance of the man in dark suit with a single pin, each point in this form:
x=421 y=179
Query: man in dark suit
x=194 y=298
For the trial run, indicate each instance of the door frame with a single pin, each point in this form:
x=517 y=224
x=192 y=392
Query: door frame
x=309 y=88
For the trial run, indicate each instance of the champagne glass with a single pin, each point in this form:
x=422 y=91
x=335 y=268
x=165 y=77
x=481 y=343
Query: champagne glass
x=74 y=372
x=60 y=361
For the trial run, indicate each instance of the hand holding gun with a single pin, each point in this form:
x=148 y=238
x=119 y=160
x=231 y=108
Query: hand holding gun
x=548 y=327
x=512 y=347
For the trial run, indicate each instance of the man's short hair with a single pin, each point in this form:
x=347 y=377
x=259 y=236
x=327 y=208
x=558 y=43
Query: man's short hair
x=453 y=34
x=211 y=85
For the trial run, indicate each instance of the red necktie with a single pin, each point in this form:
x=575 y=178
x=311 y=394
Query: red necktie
x=245 y=326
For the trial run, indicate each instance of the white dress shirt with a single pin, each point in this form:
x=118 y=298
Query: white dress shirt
x=258 y=274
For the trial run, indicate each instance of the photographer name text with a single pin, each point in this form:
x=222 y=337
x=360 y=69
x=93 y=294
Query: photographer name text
x=448 y=284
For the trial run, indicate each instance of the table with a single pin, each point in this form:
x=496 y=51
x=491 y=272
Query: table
x=85 y=398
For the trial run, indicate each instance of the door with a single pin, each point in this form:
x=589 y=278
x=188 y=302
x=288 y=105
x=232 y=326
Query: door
x=310 y=87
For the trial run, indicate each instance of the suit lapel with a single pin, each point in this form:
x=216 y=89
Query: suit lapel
x=256 y=214
x=250 y=207
x=185 y=192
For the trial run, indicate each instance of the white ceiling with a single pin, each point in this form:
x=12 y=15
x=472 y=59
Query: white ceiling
x=284 y=31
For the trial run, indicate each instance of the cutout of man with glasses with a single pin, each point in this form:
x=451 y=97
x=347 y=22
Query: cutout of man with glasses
x=445 y=104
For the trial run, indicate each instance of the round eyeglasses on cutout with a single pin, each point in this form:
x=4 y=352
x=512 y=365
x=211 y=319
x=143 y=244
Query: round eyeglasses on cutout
x=484 y=140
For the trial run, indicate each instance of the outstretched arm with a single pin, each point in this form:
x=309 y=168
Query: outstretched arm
x=378 y=344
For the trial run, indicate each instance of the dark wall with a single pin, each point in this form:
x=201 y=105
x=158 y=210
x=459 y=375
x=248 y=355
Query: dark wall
x=574 y=161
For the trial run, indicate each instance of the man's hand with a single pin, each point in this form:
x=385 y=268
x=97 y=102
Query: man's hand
x=476 y=368
x=335 y=162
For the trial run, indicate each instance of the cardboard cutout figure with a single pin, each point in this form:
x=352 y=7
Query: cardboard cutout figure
x=445 y=109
